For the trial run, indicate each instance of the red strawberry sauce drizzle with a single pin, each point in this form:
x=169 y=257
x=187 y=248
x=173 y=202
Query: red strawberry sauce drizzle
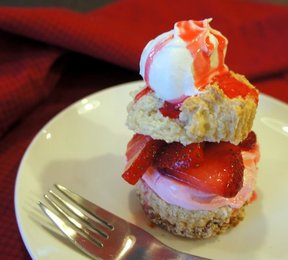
x=233 y=87
x=201 y=48
x=142 y=93
x=153 y=52
x=170 y=110
x=253 y=197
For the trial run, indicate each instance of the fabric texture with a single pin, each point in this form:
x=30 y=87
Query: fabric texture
x=33 y=42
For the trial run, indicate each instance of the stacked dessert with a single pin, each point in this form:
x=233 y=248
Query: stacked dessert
x=194 y=157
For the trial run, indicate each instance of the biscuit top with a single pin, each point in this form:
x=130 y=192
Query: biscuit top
x=210 y=116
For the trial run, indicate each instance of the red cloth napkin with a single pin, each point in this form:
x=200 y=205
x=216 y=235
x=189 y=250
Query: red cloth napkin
x=33 y=39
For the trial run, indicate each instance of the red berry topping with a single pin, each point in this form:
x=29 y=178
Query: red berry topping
x=176 y=156
x=253 y=197
x=221 y=171
x=170 y=110
x=249 y=142
x=142 y=93
x=141 y=151
x=233 y=87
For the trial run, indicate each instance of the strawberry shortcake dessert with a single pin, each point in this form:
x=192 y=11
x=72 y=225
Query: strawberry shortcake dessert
x=194 y=156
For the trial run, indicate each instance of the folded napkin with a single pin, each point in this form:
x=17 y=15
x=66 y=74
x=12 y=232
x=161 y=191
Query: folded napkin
x=32 y=39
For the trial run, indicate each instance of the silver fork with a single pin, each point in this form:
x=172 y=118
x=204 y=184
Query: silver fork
x=101 y=234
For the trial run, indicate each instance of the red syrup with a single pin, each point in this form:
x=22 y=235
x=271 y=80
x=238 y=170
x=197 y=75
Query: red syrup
x=158 y=47
x=142 y=93
x=170 y=110
x=253 y=197
x=233 y=88
x=201 y=49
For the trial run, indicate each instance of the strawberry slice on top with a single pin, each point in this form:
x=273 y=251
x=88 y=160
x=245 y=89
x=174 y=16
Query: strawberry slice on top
x=176 y=156
x=220 y=172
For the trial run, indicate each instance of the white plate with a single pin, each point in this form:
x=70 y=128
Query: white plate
x=83 y=148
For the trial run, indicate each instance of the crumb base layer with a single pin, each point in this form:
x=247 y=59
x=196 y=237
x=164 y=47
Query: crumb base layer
x=194 y=224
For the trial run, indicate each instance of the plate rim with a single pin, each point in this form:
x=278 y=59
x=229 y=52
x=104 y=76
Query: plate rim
x=58 y=116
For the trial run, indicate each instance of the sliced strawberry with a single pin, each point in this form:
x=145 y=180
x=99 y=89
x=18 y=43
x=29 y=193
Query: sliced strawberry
x=221 y=171
x=249 y=142
x=141 y=151
x=176 y=156
x=136 y=143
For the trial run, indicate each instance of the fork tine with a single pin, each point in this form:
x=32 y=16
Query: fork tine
x=88 y=221
x=74 y=237
x=85 y=205
x=86 y=232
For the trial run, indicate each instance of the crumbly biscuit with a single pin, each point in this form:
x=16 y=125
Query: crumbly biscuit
x=210 y=116
x=195 y=224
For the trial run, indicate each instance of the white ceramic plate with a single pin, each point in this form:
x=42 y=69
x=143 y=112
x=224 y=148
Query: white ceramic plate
x=83 y=148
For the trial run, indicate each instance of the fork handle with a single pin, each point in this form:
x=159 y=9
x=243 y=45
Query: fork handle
x=156 y=251
x=161 y=251
x=148 y=247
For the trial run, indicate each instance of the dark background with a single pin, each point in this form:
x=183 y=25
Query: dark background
x=83 y=5
x=79 y=5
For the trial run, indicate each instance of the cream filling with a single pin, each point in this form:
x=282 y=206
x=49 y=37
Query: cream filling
x=177 y=193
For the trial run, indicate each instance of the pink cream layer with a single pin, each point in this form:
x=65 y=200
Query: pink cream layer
x=177 y=193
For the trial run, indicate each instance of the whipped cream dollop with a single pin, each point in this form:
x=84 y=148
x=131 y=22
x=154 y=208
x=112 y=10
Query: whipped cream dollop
x=182 y=62
x=177 y=193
